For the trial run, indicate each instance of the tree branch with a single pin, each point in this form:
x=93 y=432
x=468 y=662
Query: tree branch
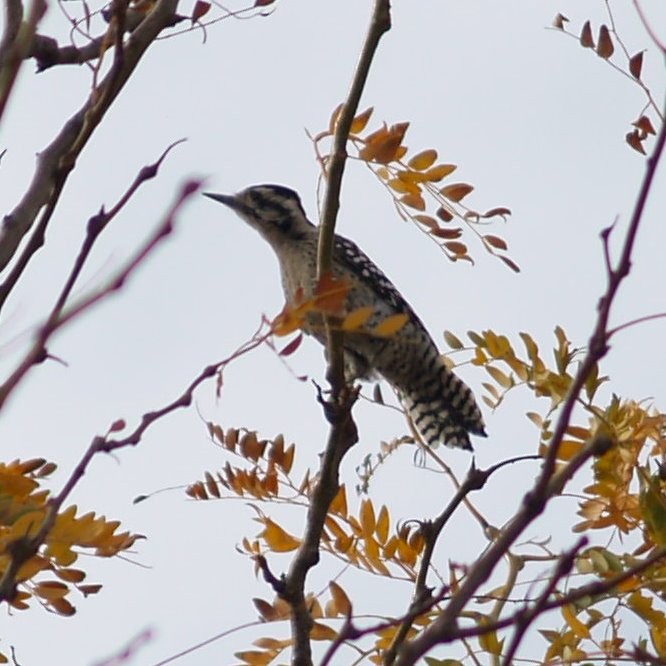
x=59 y=317
x=444 y=628
x=58 y=159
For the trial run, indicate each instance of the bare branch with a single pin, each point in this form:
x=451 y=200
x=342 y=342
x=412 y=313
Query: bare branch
x=15 y=43
x=57 y=160
x=58 y=318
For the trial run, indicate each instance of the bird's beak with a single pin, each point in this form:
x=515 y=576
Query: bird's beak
x=227 y=199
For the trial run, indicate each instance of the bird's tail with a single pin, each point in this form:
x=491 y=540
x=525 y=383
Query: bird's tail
x=443 y=408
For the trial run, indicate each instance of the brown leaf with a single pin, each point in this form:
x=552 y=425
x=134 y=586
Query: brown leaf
x=444 y=214
x=495 y=241
x=201 y=8
x=448 y=234
x=586 y=36
x=559 y=21
x=636 y=64
x=511 y=264
x=605 y=46
x=263 y=3
x=459 y=249
x=427 y=221
x=499 y=210
x=457 y=191
x=333 y=120
x=634 y=139
x=645 y=125
x=292 y=346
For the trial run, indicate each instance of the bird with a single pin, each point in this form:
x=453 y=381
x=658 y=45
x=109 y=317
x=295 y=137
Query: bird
x=440 y=405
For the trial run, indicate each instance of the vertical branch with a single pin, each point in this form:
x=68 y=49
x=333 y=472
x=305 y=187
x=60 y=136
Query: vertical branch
x=342 y=433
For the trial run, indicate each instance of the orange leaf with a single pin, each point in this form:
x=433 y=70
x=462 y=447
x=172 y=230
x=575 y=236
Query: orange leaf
x=383 y=145
x=277 y=539
x=320 y=632
x=339 y=596
x=330 y=293
x=360 y=121
x=423 y=160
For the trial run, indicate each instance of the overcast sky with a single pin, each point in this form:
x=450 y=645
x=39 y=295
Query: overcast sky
x=535 y=123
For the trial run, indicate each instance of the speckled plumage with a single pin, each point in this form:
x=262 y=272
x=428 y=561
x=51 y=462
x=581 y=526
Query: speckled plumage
x=441 y=406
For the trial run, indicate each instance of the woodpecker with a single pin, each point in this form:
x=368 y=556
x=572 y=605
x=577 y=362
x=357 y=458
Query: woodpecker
x=441 y=406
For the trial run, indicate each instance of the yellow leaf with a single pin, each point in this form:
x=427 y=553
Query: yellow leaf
x=356 y=318
x=500 y=377
x=402 y=187
x=413 y=201
x=340 y=598
x=339 y=504
x=456 y=191
x=423 y=160
x=320 y=632
x=569 y=615
x=490 y=643
x=382 y=526
x=277 y=539
x=255 y=657
x=367 y=517
x=439 y=172
x=361 y=120
x=390 y=326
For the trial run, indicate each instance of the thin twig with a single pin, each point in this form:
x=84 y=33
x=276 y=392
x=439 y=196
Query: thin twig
x=530 y=613
x=57 y=160
x=37 y=352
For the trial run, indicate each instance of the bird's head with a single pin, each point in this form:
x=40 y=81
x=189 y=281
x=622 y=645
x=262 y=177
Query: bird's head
x=274 y=211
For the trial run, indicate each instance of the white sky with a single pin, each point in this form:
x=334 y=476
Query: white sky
x=535 y=122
